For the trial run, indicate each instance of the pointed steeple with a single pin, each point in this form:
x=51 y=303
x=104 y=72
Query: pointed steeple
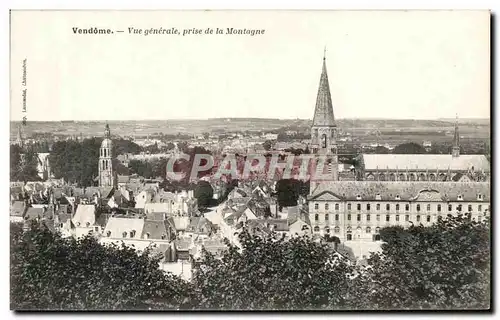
x=19 y=139
x=323 y=113
x=455 y=152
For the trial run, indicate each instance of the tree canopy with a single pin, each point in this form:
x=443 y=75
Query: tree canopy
x=409 y=148
x=52 y=273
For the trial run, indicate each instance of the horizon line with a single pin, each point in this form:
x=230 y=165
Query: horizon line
x=259 y=118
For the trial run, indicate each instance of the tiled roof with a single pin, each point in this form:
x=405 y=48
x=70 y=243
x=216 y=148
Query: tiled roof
x=368 y=190
x=431 y=162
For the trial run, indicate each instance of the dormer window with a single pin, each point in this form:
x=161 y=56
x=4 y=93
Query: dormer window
x=147 y=235
x=378 y=197
x=460 y=197
x=479 y=197
x=398 y=197
x=124 y=234
x=132 y=233
x=87 y=224
x=108 y=234
x=163 y=236
x=358 y=197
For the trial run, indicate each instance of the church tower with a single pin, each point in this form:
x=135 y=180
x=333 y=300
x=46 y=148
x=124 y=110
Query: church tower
x=455 y=151
x=106 y=177
x=324 y=129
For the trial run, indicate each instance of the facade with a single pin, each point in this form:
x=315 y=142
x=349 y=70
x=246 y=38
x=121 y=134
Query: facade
x=324 y=130
x=106 y=175
x=357 y=210
x=425 y=167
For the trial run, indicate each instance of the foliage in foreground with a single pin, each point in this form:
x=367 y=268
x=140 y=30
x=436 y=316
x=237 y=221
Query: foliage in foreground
x=52 y=273
x=444 y=266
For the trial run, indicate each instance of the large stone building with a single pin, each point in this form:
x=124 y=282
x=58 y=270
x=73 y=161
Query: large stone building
x=324 y=129
x=425 y=167
x=106 y=174
x=357 y=210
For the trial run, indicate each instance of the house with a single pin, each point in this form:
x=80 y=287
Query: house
x=84 y=219
x=17 y=211
x=143 y=197
x=200 y=227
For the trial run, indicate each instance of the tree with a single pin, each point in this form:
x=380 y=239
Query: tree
x=443 y=266
x=267 y=145
x=270 y=273
x=52 y=273
x=381 y=150
x=204 y=193
x=409 y=148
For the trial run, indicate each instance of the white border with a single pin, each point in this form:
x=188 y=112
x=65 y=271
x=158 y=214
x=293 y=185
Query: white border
x=494 y=5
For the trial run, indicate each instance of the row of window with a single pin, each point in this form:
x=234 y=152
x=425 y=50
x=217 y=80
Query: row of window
x=377 y=217
x=131 y=234
x=349 y=230
x=397 y=207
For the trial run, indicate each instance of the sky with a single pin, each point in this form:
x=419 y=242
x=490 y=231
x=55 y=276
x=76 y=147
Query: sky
x=381 y=64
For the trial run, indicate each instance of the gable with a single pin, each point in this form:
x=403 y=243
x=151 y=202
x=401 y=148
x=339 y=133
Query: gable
x=325 y=196
x=429 y=195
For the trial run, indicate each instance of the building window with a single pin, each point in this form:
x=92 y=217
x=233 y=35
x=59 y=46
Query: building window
x=479 y=219
x=479 y=197
x=387 y=207
x=148 y=235
x=480 y=208
x=367 y=217
x=337 y=229
x=397 y=206
x=459 y=208
x=337 y=207
x=326 y=217
x=407 y=207
x=439 y=208
x=336 y=217
x=316 y=206
x=108 y=234
x=407 y=217
x=428 y=218
x=460 y=197
x=349 y=216
x=418 y=207
x=397 y=217
x=358 y=206
x=326 y=206
x=368 y=230
x=358 y=217
x=316 y=229
x=418 y=218
x=378 y=217
x=377 y=230
x=470 y=208
x=316 y=217
x=450 y=207
x=367 y=207
x=124 y=234
x=428 y=207
x=398 y=197
x=163 y=236
x=348 y=206
x=387 y=218
x=378 y=206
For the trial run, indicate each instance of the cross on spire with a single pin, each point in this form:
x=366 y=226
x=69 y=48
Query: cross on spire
x=324 y=53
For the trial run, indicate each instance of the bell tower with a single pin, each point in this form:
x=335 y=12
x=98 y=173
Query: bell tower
x=106 y=177
x=324 y=129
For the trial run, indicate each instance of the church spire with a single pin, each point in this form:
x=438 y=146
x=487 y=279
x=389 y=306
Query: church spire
x=456 y=141
x=19 y=139
x=323 y=112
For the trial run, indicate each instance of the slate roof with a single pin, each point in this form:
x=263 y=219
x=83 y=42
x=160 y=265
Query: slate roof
x=389 y=190
x=33 y=213
x=17 y=209
x=118 y=225
x=156 y=229
x=422 y=162
x=200 y=225
x=85 y=213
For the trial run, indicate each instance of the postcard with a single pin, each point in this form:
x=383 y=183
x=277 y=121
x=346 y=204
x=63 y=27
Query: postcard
x=250 y=160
